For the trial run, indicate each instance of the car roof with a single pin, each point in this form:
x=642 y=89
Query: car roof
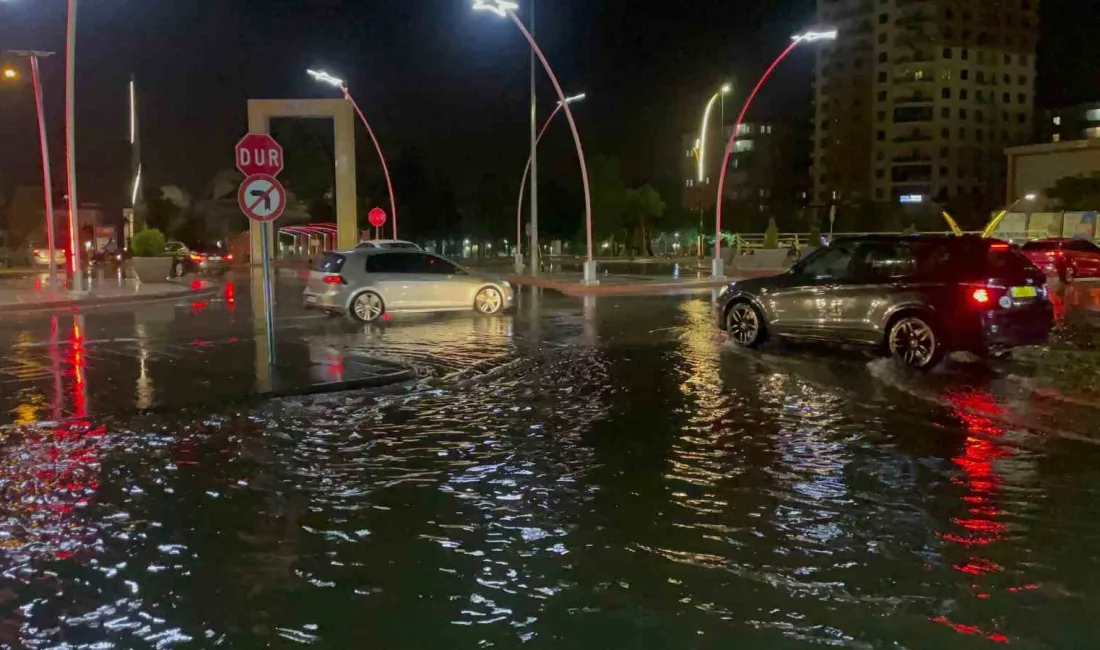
x=381 y=251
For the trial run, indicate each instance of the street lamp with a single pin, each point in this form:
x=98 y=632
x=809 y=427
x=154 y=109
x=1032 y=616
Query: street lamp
x=523 y=182
x=701 y=149
x=47 y=188
x=717 y=268
x=333 y=81
x=506 y=9
x=1030 y=197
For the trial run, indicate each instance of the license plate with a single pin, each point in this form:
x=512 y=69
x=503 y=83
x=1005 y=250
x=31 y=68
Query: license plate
x=215 y=259
x=1024 y=292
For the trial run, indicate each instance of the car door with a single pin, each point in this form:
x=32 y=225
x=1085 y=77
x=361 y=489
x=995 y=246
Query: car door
x=883 y=275
x=806 y=302
x=1085 y=257
x=452 y=287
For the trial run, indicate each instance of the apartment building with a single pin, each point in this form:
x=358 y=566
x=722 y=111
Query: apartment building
x=922 y=97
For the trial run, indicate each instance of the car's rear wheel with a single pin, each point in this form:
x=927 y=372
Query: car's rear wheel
x=913 y=341
x=367 y=307
x=489 y=301
x=744 y=325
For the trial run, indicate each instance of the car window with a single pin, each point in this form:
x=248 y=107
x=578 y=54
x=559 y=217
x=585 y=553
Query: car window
x=833 y=262
x=440 y=266
x=395 y=263
x=399 y=245
x=880 y=261
x=1041 y=245
x=330 y=263
x=1082 y=246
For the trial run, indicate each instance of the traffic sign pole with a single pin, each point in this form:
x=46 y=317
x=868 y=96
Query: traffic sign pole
x=269 y=291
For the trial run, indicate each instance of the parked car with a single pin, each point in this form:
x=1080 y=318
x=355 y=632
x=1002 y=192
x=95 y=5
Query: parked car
x=914 y=297
x=38 y=254
x=1069 y=259
x=367 y=283
x=201 y=260
x=390 y=244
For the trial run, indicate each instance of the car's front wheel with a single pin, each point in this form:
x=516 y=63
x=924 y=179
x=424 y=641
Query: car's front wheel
x=744 y=325
x=489 y=301
x=367 y=307
x=913 y=341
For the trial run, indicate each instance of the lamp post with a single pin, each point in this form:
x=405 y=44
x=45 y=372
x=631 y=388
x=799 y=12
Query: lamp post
x=47 y=186
x=701 y=149
x=331 y=80
x=1030 y=197
x=717 y=268
x=507 y=9
x=523 y=186
x=70 y=147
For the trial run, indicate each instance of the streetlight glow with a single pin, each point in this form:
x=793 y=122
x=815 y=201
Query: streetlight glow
x=10 y=73
x=1031 y=196
x=499 y=7
x=133 y=114
x=811 y=36
x=327 y=78
x=727 y=89
x=703 y=137
x=575 y=98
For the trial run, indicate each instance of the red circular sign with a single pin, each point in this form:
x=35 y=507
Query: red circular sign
x=377 y=217
x=258 y=153
x=262 y=198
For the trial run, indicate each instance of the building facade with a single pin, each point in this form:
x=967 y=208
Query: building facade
x=766 y=167
x=1080 y=122
x=922 y=97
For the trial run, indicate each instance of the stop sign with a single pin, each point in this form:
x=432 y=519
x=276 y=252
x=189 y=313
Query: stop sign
x=258 y=153
x=377 y=217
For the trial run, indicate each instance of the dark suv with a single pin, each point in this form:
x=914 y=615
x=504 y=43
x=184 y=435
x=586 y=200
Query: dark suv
x=916 y=298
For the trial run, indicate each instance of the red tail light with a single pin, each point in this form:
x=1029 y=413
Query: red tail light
x=334 y=279
x=197 y=257
x=998 y=247
x=229 y=257
x=984 y=296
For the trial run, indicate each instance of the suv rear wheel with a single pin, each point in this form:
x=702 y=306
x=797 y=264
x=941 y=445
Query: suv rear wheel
x=913 y=341
x=745 y=325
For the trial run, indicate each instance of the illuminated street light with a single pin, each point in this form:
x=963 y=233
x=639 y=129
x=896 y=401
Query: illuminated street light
x=506 y=9
x=701 y=149
x=527 y=171
x=325 y=77
x=717 y=268
x=47 y=188
x=1030 y=197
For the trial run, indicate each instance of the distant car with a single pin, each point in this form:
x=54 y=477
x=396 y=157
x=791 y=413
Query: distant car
x=38 y=255
x=1068 y=259
x=213 y=261
x=182 y=258
x=389 y=244
x=916 y=298
x=367 y=283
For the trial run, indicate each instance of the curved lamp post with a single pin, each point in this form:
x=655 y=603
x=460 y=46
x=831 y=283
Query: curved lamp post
x=339 y=83
x=527 y=173
x=996 y=221
x=507 y=9
x=717 y=268
x=701 y=150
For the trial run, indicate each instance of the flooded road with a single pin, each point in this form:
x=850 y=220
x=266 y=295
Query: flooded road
x=607 y=473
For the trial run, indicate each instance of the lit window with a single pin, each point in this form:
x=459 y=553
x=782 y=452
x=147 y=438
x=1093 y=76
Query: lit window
x=742 y=145
x=1058 y=121
x=1094 y=132
x=1093 y=115
x=689 y=182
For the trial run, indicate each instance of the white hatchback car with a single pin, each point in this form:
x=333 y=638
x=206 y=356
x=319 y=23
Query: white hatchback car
x=367 y=283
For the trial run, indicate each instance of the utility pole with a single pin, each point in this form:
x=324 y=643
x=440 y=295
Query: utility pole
x=536 y=252
x=70 y=149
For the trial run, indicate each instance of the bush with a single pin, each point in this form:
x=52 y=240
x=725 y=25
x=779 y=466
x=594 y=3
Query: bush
x=148 y=243
x=771 y=235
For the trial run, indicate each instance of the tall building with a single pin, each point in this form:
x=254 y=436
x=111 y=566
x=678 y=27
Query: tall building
x=922 y=97
x=1080 y=122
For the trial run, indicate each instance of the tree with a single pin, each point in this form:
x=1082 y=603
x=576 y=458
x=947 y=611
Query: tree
x=1078 y=192
x=608 y=197
x=644 y=207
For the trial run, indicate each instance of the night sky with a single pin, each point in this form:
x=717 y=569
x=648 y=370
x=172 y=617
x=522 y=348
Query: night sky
x=432 y=76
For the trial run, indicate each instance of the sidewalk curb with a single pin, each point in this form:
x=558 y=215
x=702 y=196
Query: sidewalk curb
x=107 y=302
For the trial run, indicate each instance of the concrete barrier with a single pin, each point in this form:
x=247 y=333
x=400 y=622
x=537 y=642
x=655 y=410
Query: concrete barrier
x=775 y=258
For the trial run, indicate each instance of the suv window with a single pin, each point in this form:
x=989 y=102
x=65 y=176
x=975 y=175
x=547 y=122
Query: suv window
x=833 y=262
x=881 y=261
x=1082 y=246
x=330 y=263
x=440 y=266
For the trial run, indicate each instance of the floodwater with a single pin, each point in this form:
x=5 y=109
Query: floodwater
x=614 y=475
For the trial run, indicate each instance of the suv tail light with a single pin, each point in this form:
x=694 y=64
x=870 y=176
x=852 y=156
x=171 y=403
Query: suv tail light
x=984 y=296
x=197 y=257
x=229 y=257
x=334 y=279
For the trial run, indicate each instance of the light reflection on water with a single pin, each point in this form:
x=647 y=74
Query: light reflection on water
x=655 y=490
